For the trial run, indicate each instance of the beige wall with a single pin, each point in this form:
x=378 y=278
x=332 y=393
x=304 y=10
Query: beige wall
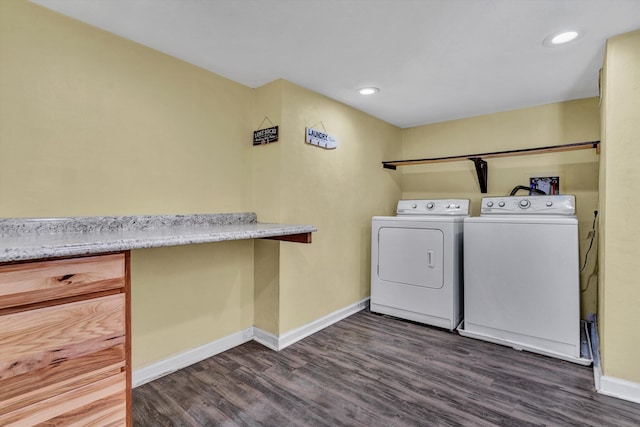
x=267 y=201
x=92 y=124
x=619 y=303
x=553 y=124
x=336 y=190
x=187 y=296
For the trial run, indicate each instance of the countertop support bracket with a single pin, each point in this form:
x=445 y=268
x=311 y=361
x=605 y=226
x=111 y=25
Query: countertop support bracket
x=295 y=238
x=482 y=170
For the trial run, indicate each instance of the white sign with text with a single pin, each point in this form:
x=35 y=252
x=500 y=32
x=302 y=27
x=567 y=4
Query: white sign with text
x=321 y=139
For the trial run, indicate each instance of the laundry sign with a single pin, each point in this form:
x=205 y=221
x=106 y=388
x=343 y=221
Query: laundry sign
x=265 y=136
x=321 y=139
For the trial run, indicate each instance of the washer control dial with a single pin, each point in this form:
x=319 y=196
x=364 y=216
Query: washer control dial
x=524 y=203
x=501 y=204
x=549 y=203
x=414 y=206
x=490 y=204
x=430 y=205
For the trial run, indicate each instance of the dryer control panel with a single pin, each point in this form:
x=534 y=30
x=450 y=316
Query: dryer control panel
x=433 y=207
x=529 y=205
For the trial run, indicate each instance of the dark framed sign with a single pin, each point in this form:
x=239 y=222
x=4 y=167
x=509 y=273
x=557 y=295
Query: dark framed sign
x=265 y=136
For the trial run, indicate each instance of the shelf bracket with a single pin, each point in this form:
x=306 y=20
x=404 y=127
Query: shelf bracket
x=482 y=171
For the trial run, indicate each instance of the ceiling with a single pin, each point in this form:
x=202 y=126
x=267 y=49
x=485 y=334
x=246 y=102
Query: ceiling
x=433 y=60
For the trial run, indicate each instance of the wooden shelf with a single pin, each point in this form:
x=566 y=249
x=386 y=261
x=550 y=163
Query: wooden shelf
x=481 y=164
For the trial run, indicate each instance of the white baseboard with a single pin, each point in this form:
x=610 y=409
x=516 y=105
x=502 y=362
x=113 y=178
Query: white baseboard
x=611 y=386
x=172 y=364
x=182 y=360
x=265 y=338
x=283 y=341
x=616 y=387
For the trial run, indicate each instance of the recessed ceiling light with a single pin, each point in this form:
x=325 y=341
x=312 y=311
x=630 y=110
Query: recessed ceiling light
x=565 y=37
x=368 y=90
x=556 y=39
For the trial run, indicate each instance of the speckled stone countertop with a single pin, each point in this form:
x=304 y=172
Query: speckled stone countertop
x=35 y=238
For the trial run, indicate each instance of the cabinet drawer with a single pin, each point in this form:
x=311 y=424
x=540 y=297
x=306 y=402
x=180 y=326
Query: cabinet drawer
x=101 y=403
x=50 y=351
x=33 y=282
x=106 y=412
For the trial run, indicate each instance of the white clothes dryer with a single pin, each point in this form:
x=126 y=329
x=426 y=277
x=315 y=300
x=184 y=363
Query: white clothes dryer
x=521 y=275
x=416 y=262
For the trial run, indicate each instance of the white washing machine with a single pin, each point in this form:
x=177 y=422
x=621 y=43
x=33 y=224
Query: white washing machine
x=521 y=275
x=416 y=262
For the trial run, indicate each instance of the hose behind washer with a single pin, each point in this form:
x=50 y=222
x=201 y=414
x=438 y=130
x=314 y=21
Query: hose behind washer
x=529 y=189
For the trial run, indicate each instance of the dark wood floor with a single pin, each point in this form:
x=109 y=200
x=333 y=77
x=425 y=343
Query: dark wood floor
x=371 y=370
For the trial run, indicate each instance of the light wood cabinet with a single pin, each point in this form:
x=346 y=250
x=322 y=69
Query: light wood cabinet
x=65 y=342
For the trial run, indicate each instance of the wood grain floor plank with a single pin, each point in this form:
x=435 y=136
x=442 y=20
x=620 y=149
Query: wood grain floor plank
x=371 y=370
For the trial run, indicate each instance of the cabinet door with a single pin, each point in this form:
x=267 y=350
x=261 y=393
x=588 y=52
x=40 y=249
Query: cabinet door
x=34 y=282
x=56 y=360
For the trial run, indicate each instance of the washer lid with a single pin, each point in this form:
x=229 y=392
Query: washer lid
x=529 y=205
x=453 y=207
